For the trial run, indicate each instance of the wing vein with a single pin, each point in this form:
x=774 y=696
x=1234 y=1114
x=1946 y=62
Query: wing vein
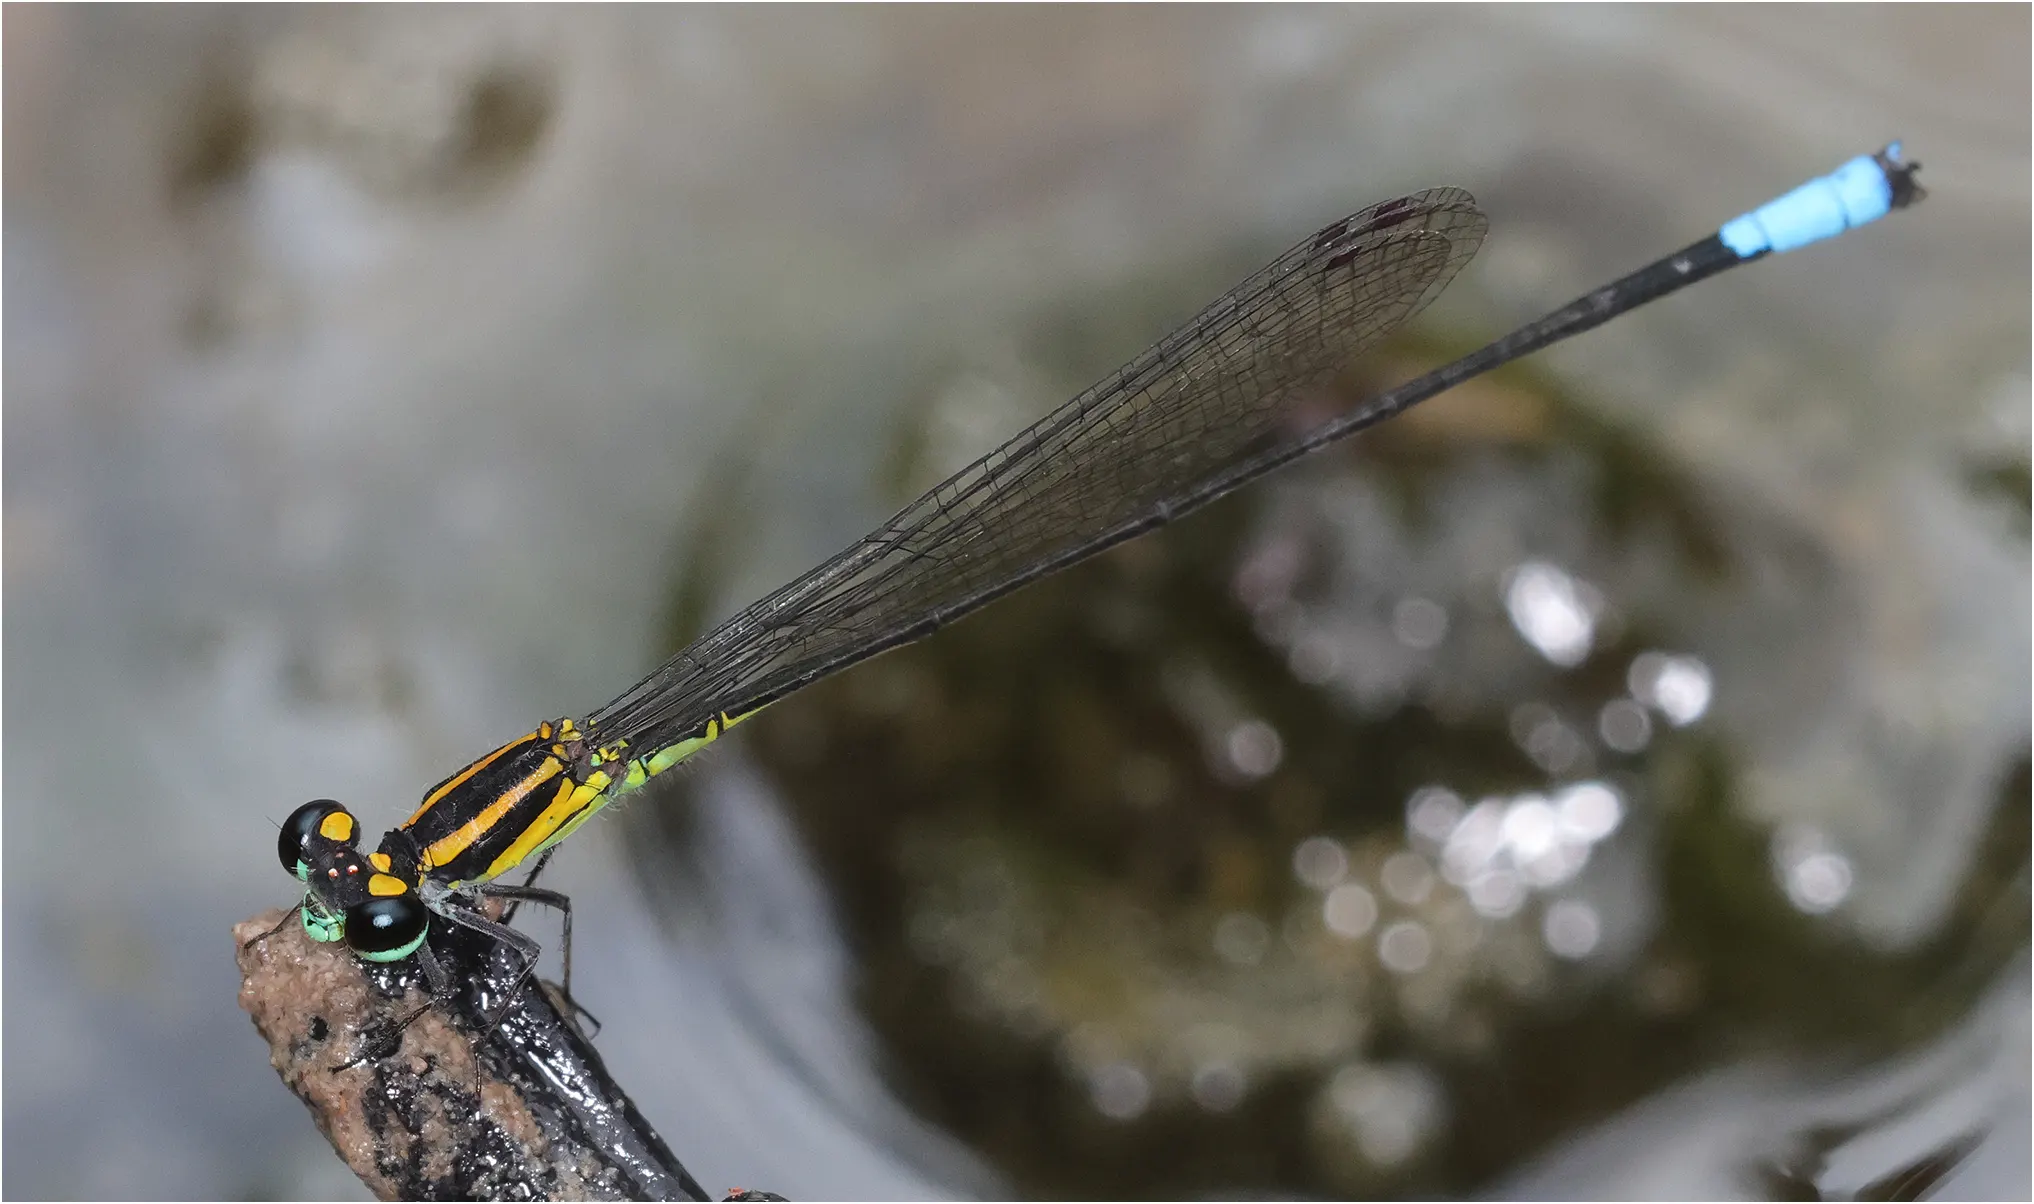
x=1241 y=385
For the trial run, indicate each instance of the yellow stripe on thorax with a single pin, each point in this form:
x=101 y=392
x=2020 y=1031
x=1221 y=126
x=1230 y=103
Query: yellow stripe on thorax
x=444 y=849
x=459 y=779
x=573 y=804
x=576 y=803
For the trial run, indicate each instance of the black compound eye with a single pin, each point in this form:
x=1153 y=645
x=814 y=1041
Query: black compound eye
x=318 y=818
x=387 y=929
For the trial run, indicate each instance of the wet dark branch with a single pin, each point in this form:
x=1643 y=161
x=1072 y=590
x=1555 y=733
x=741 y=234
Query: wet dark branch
x=425 y=1108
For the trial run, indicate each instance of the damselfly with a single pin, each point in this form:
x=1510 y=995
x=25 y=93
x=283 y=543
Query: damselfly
x=1242 y=388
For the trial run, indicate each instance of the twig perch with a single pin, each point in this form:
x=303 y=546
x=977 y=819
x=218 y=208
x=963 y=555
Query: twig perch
x=425 y=1108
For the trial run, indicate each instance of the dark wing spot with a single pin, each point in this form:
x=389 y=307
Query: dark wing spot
x=1390 y=214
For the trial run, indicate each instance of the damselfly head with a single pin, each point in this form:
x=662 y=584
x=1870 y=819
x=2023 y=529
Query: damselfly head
x=317 y=844
x=348 y=896
x=312 y=833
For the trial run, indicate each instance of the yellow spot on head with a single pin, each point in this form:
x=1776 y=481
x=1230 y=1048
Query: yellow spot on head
x=379 y=861
x=336 y=826
x=385 y=886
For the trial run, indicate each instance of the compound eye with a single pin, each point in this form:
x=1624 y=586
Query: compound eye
x=319 y=818
x=387 y=929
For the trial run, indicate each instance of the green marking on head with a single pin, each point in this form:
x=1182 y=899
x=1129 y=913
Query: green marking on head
x=322 y=926
x=303 y=870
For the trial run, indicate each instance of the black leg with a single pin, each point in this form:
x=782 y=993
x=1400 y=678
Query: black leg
x=435 y=976
x=520 y=942
x=526 y=893
x=281 y=924
x=543 y=859
x=562 y=902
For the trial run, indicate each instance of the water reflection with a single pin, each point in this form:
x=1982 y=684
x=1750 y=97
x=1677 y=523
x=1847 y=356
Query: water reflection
x=1387 y=1110
x=1349 y=911
x=1677 y=686
x=1553 y=611
x=1816 y=876
x=1320 y=862
x=1572 y=929
x=1120 y=1091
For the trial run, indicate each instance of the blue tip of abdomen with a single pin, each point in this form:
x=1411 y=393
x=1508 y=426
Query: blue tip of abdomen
x=1860 y=191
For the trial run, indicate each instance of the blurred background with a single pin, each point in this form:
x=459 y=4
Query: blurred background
x=1609 y=781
